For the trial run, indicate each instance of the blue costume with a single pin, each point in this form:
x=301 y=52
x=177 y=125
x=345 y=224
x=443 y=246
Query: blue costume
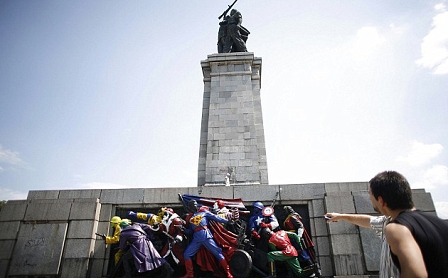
x=258 y=222
x=201 y=234
x=257 y=218
x=198 y=225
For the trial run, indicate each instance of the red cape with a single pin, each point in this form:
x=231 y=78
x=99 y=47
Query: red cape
x=224 y=239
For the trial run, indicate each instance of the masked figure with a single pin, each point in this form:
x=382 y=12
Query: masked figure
x=172 y=226
x=199 y=223
x=260 y=220
x=115 y=238
x=136 y=238
x=281 y=249
x=220 y=209
x=293 y=223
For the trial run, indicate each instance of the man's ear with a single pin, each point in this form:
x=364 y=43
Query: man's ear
x=381 y=201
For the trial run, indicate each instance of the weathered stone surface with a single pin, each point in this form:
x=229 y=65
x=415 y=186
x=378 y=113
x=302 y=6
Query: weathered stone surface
x=342 y=227
x=48 y=210
x=423 y=201
x=104 y=227
x=82 y=229
x=371 y=246
x=252 y=193
x=106 y=212
x=326 y=266
x=320 y=224
x=38 y=250
x=232 y=133
x=225 y=192
x=318 y=208
x=345 y=244
x=78 y=248
x=3 y=268
x=122 y=196
x=43 y=194
x=302 y=191
x=362 y=202
x=322 y=246
x=350 y=264
x=76 y=268
x=13 y=210
x=346 y=186
x=9 y=229
x=80 y=194
x=168 y=195
x=342 y=202
x=85 y=209
x=96 y=268
x=100 y=248
x=6 y=248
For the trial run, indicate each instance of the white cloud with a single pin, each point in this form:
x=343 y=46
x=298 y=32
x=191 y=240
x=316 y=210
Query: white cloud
x=440 y=7
x=367 y=40
x=433 y=177
x=9 y=194
x=9 y=157
x=442 y=209
x=102 y=185
x=399 y=30
x=420 y=153
x=434 y=47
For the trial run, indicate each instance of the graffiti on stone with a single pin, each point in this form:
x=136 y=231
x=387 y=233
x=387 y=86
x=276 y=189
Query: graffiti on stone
x=47 y=240
x=35 y=242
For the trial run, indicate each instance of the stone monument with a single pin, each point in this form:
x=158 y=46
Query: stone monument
x=52 y=232
x=232 y=134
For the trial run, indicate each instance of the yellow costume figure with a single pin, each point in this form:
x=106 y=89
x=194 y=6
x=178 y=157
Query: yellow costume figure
x=115 y=222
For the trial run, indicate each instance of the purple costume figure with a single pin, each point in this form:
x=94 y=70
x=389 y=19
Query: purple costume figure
x=197 y=224
x=136 y=238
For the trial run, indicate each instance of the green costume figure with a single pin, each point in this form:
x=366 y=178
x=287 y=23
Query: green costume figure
x=283 y=250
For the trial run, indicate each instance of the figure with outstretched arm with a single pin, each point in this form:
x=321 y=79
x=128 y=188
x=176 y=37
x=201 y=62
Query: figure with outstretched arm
x=115 y=238
x=197 y=224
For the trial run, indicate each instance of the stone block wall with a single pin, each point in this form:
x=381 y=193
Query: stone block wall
x=52 y=233
x=48 y=237
x=232 y=134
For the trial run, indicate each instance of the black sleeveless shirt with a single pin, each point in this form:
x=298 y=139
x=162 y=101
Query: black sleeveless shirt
x=431 y=234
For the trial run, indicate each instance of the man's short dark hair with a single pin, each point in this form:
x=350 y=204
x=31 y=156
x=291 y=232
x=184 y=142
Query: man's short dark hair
x=393 y=188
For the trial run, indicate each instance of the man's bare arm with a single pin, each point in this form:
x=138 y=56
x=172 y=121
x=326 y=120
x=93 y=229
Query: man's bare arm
x=404 y=246
x=362 y=220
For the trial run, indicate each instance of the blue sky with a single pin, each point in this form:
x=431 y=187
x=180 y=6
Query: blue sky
x=108 y=94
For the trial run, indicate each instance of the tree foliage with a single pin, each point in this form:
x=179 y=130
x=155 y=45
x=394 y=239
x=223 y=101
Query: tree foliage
x=2 y=203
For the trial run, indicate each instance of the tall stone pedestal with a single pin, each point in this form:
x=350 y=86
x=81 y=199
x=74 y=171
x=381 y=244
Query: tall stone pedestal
x=232 y=134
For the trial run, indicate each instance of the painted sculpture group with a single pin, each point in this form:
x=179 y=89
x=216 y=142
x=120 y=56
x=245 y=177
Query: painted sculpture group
x=212 y=237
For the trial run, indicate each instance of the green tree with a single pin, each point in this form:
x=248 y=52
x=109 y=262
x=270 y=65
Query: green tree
x=2 y=203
